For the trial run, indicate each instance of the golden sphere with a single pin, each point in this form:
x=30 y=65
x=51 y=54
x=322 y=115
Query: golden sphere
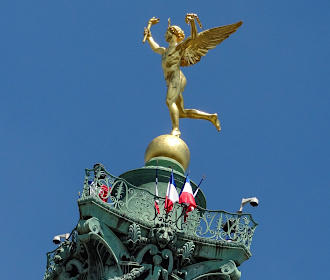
x=168 y=146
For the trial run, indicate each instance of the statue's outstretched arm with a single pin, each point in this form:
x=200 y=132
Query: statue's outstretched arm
x=154 y=46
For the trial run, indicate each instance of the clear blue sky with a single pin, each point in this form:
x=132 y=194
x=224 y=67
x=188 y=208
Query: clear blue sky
x=77 y=87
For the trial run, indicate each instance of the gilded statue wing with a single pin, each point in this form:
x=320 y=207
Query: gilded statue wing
x=194 y=49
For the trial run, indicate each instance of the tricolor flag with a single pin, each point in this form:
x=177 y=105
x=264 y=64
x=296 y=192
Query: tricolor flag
x=187 y=197
x=103 y=190
x=103 y=194
x=156 y=193
x=171 y=194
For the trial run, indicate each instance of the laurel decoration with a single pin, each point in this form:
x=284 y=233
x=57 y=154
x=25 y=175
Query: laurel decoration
x=186 y=251
x=134 y=235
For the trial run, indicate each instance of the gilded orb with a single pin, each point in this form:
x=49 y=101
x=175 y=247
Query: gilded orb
x=169 y=146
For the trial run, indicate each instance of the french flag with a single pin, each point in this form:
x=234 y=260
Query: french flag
x=187 y=197
x=104 y=190
x=172 y=195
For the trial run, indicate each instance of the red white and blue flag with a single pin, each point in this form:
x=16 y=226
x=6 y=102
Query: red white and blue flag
x=103 y=190
x=187 y=197
x=172 y=195
x=156 y=193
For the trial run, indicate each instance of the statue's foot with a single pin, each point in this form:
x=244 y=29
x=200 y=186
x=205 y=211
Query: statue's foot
x=217 y=125
x=176 y=132
x=216 y=122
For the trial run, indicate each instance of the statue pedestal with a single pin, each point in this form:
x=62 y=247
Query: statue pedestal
x=169 y=147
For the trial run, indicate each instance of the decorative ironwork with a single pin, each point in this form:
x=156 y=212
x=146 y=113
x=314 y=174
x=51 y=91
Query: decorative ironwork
x=222 y=225
x=68 y=261
x=129 y=200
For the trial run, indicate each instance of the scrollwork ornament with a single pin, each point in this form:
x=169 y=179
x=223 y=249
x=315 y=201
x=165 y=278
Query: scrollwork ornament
x=229 y=271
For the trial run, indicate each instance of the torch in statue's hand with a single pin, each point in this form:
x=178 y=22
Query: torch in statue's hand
x=151 y=22
x=190 y=17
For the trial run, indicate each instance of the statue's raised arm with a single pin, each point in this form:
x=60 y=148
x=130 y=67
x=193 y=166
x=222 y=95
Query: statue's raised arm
x=190 y=20
x=197 y=45
x=147 y=36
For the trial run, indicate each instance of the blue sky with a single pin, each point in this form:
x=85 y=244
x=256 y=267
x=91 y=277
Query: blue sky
x=77 y=87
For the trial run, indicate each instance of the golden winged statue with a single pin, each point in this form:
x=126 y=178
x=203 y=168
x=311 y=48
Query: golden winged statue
x=182 y=53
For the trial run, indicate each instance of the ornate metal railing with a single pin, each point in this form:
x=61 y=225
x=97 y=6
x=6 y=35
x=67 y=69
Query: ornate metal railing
x=121 y=195
x=221 y=225
x=138 y=203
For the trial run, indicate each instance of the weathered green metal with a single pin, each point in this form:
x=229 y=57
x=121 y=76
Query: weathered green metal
x=165 y=162
x=125 y=238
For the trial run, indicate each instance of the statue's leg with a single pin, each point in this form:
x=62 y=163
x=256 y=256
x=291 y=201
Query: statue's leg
x=193 y=113
x=171 y=97
x=196 y=114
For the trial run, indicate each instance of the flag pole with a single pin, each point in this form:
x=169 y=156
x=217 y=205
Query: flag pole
x=167 y=194
x=196 y=191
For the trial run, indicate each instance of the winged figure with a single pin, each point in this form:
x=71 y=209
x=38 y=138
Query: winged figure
x=181 y=53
